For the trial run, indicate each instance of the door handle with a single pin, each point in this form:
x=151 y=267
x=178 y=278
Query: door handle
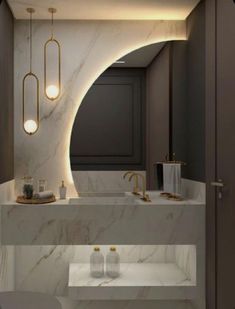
x=220 y=185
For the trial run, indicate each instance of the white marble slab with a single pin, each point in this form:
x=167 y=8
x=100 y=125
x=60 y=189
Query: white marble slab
x=7 y=253
x=45 y=268
x=88 y=48
x=102 y=181
x=137 y=281
x=127 y=304
x=102 y=224
x=131 y=274
x=194 y=190
x=7 y=191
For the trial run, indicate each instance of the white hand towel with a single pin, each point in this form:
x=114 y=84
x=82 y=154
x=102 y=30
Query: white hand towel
x=44 y=194
x=172 y=178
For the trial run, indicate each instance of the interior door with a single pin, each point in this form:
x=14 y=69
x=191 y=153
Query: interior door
x=225 y=148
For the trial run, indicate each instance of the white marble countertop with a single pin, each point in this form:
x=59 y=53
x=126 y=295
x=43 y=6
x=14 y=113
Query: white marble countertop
x=127 y=199
x=137 y=281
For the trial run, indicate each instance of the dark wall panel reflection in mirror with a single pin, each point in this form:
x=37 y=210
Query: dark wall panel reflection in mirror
x=188 y=97
x=109 y=130
x=6 y=94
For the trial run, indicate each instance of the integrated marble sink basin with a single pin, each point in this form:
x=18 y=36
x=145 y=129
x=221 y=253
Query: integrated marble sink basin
x=102 y=194
x=103 y=200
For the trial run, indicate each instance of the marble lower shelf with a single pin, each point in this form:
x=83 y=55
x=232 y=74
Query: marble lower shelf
x=137 y=281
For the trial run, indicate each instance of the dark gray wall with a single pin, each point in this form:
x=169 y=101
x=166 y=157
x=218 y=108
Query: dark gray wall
x=188 y=97
x=179 y=116
x=109 y=129
x=6 y=94
x=158 y=83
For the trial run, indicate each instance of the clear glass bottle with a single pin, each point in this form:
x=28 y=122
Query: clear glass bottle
x=62 y=191
x=28 y=187
x=41 y=185
x=113 y=263
x=97 y=263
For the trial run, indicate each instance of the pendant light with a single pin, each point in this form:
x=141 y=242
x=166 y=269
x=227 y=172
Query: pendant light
x=52 y=91
x=30 y=126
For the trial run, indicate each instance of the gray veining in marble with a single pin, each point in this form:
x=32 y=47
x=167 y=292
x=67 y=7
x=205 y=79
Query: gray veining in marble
x=136 y=281
x=133 y=304
x=88 y=48
x=103 y=224
x=7 y=253
x=102 y=181
x=7 y=191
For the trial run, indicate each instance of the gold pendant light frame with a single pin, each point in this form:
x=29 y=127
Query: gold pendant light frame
x=52 y=40
x=28 y=75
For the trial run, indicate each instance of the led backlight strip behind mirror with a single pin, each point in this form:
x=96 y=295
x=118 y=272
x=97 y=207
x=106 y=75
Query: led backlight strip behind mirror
x=52 y=92
x=30 y=126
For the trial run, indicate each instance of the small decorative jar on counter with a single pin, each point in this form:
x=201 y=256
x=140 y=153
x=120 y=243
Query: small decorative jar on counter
x=28 y=187
x=97 y=263
x=41 y=185
x=113 y=263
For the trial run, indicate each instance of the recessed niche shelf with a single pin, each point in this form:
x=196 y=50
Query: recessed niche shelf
x=137 y=281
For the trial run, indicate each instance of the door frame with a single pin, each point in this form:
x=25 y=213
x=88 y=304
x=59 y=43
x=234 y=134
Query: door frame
x=211 y=133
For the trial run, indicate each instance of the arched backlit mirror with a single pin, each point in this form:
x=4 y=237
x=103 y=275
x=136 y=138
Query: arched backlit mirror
x=132 y=117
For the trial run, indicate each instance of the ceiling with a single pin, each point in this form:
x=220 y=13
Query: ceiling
x=141 y=57
x=106 y=9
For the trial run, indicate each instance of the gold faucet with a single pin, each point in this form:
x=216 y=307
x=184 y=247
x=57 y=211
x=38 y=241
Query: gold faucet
x=136 y=188
x=145 y=196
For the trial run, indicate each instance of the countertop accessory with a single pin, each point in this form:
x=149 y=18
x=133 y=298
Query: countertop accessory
x=43 y=195
x=97 y=263
x=28 y=187
x=30 y=126
x=52 y=92
x=145 y=196
x=136 y=189
x=62 y=191
x=113 y=263
x=41 y=185
x=171 y=196
x=169 y=177
x=23 y=200
x=172 y=178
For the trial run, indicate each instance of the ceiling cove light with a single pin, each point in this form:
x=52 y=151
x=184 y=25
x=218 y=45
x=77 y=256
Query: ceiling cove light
x=52 y=91
x=30 y=126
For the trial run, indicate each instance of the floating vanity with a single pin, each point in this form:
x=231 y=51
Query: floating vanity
x=104 y=220
x=118 y=219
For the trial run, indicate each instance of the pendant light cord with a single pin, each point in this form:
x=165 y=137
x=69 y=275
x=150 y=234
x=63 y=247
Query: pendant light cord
x=30 y=42
x=52 y=25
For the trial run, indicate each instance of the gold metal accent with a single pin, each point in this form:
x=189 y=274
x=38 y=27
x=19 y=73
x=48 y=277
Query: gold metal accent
x=175 y=197
x=172 y=161
x=145 y=196
x=52 y=10
x=97 y=249
x=52 y=40
x=136 y=188
x=113 y=249
x=172 y=196
x=30 y=10
x=30 y=74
